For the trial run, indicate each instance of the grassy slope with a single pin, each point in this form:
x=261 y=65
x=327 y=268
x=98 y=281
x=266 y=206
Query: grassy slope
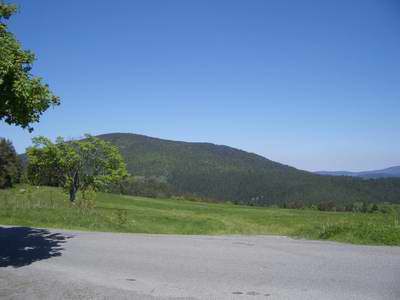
x=48 y=207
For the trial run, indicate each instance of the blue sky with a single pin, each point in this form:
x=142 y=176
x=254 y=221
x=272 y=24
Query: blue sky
x=313 y=84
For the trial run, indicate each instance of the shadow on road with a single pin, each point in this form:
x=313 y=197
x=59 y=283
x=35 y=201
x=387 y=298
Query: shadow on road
x=21 y=246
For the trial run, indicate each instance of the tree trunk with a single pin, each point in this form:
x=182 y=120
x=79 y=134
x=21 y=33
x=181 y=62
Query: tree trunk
x=74 y=187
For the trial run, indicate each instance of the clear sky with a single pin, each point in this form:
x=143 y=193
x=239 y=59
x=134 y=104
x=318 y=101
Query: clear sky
x=313 y=84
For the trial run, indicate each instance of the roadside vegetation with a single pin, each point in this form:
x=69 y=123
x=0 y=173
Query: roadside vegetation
x=50 y=207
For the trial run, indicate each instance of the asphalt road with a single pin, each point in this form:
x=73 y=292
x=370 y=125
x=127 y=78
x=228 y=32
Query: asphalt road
x=38 y=264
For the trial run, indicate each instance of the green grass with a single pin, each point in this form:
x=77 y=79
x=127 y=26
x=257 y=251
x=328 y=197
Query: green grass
x=49 y=207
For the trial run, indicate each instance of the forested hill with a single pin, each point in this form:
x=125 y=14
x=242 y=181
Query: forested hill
x=225 y=173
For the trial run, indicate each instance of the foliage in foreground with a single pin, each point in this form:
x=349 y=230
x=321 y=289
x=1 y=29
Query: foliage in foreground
x=49 y=207
x=24 y=97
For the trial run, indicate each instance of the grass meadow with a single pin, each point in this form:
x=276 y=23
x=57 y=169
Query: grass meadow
x=49 y=207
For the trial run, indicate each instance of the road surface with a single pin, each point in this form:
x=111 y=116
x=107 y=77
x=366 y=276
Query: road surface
x=57 y=264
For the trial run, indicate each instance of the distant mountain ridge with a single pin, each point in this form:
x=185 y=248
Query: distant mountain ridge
x=227 y=174
x=383 y=173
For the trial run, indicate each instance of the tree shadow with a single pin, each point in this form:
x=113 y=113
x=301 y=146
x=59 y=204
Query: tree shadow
x=21 y=246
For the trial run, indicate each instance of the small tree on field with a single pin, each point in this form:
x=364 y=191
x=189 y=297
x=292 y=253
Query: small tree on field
x=10 y=166
x=23 y=97
x=82 y=165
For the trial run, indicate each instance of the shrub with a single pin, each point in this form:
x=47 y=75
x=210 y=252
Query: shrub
x=327 y=206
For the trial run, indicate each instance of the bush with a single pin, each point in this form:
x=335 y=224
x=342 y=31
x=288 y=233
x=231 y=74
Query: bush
x=327 y=206
x=296 y=204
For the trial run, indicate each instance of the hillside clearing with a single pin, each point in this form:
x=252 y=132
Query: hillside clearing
x=49 y=207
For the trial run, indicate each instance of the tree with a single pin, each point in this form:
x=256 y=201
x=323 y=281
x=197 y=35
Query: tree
x=45 y=158
x=23 y=97
x=10 y=166
x=90 y=163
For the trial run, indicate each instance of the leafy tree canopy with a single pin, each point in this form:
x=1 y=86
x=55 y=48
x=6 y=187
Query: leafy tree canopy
x=90 y=163
x=23 y=97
